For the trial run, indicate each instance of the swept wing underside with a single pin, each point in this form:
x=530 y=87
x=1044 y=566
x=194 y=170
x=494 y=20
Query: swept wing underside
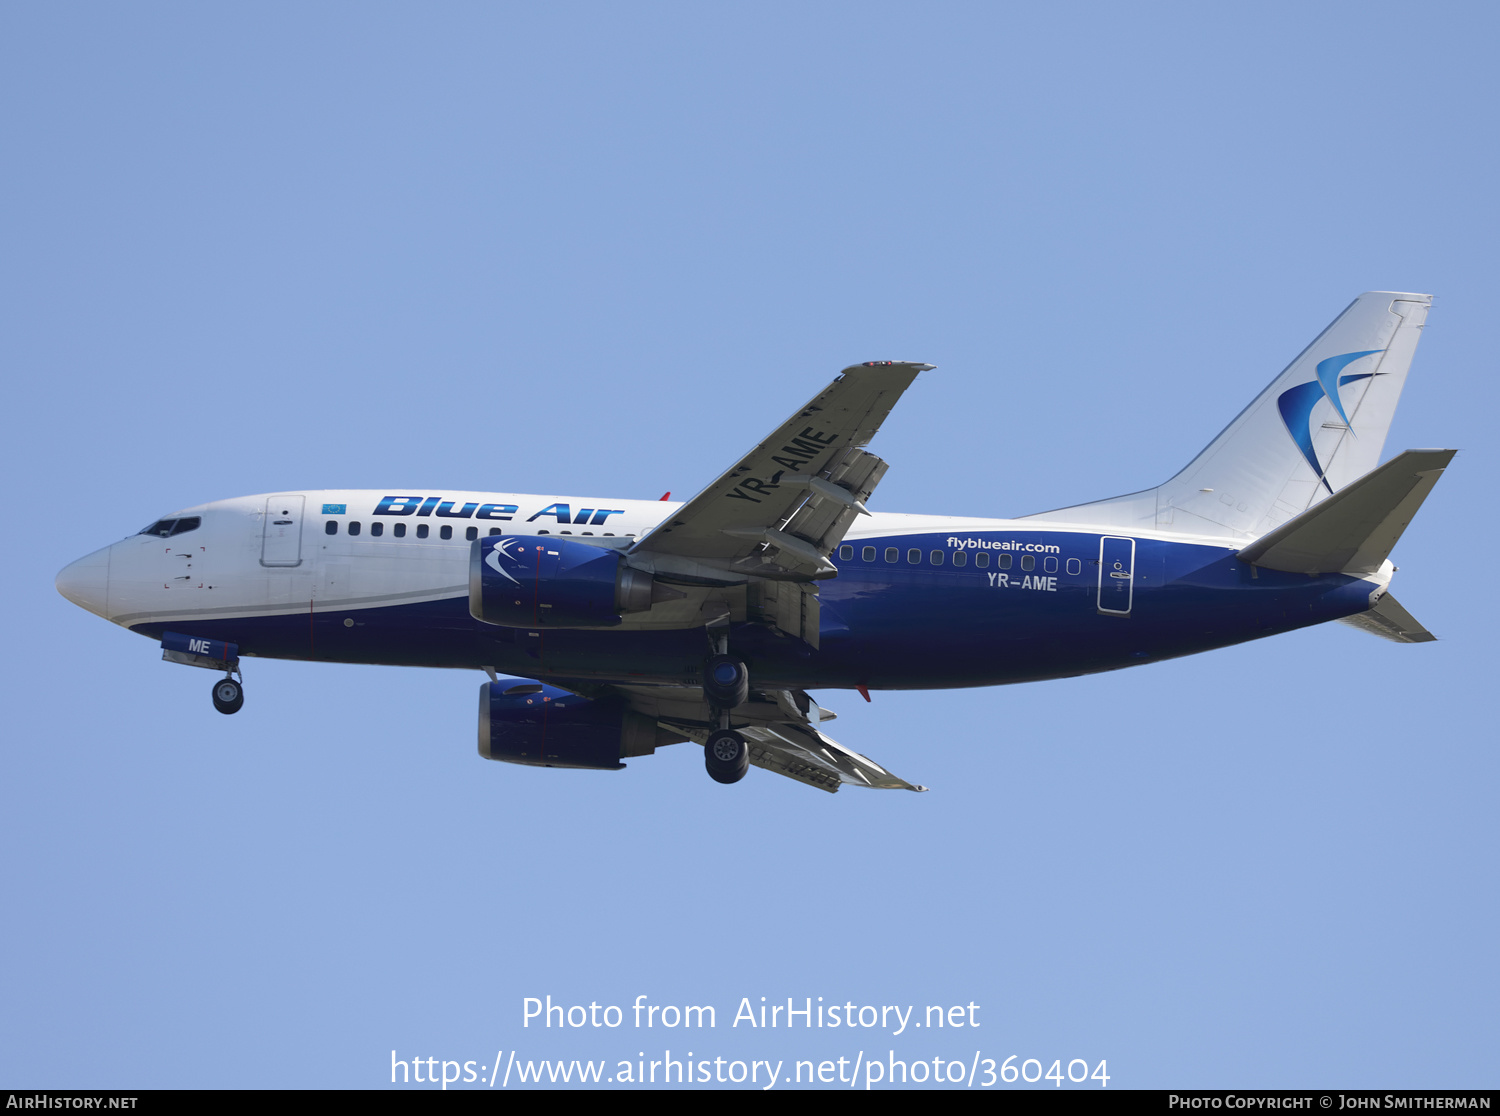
x=782 y=728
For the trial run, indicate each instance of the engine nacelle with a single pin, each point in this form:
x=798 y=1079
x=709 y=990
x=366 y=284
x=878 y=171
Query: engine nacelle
x=541 y=581
x=540 y=725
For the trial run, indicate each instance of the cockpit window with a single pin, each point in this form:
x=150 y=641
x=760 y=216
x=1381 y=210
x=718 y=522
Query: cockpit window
x=166 y=528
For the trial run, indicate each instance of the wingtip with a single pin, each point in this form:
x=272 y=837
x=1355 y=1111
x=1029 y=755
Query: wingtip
x=917 y=364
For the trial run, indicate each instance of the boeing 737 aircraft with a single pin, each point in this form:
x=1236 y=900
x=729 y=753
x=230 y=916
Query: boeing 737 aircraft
x=628 y=625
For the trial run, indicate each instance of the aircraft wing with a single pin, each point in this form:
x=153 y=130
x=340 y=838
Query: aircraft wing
x=780 y=511
x=781 y=727
x=804 y=753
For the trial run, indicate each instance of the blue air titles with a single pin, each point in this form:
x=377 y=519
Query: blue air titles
x=451 y=509
x=423 y=506
x=591 y=516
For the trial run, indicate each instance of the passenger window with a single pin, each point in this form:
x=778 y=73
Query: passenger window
x=446 y=531
x=1028 y=563
x=472 y=533
x=868 y=554
x=331 y=527
x=982 y=559
x=1074 y=565
x=494 y=530
x=377 y=529
x=1003 y=561
x=399 y=530
x=961 y=558
x=421 y=530
x=1049 y=564
x=937 y=557
x=892 y=554
x=914 y=556
x=846 y=553
x=354 y=527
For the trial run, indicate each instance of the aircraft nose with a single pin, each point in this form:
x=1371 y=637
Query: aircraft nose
x=86 y=582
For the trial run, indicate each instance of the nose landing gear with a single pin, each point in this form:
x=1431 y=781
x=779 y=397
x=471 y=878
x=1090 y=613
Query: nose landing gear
x=228 y=695
x=210 y=654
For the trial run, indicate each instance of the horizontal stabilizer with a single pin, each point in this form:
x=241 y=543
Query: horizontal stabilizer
x=1389 y=620
x=1353 y=530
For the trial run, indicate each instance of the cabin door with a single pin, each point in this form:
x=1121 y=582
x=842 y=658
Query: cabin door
x=281 y=534
x=1116 y=575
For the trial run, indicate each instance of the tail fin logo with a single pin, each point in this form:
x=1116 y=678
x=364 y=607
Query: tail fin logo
x=1296 y=404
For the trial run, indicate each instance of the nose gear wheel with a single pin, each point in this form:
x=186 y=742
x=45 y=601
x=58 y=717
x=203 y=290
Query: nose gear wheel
x=228 y=695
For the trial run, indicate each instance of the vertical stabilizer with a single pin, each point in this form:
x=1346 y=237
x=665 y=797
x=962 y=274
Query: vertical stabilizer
x=1319 y=425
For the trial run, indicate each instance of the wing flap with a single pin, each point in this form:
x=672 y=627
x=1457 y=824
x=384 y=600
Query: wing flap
x=781 y=729
x=803 y=753
x=825 y=522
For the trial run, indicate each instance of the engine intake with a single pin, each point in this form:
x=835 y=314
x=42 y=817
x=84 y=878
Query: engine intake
x=540 y=581
x=543 y=726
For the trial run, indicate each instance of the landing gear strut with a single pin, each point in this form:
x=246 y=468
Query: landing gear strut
x=726 y=685
x=229 y=695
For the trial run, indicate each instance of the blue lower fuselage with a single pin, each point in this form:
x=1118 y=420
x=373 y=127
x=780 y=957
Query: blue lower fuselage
x=1065 y=603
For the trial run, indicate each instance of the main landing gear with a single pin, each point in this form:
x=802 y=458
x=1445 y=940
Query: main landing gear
x=726 y=682
x=229 y=695
x=727 y=756
x=726 y=685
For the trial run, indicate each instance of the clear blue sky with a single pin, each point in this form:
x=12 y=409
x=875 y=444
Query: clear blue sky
x=606 y=248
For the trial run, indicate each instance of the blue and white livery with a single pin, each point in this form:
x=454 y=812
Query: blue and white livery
x=628 y=625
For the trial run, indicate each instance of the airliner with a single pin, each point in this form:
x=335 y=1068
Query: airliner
x=608 y=628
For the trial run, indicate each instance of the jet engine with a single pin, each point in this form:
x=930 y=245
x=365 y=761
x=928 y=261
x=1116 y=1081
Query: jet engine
x=531 y=723
x=541 y=581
